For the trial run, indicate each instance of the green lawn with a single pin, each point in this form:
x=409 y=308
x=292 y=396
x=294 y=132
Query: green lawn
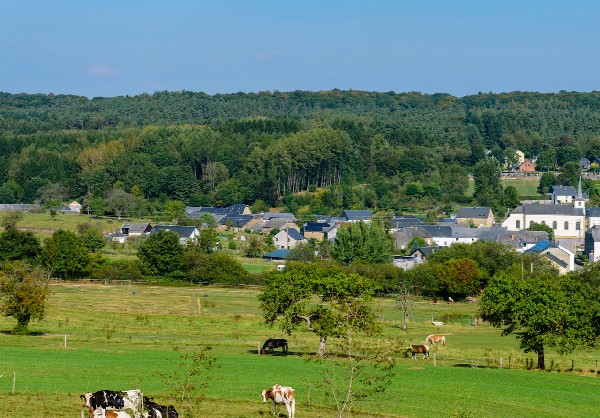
x=526 y=186
x=122 y=337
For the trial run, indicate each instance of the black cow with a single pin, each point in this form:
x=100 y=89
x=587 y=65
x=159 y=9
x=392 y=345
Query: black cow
x=159 y=411
x=272 y=343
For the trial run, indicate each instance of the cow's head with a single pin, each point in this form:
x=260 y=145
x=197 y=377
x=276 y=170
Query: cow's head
x=86 y=398
x=267 y=394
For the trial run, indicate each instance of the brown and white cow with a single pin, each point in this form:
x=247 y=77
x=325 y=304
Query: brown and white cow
x=419 y=348
x=281 y=395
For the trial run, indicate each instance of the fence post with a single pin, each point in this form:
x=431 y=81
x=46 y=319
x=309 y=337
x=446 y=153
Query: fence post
x=501 y=361
x=434 y=359
x=14 y=381
x=572 y=365
x=308 y=396
x=258 y=348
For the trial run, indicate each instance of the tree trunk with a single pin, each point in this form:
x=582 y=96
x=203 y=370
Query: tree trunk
x=322 y=344
x=541 y=364
x=405 y=317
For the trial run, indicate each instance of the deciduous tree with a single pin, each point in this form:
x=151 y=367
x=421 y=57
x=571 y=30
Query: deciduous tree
x=319 y=297
x=543 y=311
x=161 y=254
x=24 y=291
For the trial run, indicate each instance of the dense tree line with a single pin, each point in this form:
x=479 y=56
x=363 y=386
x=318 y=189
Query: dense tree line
x=341 y=149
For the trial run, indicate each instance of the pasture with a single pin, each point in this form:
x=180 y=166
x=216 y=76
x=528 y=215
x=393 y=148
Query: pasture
x=525 y=185
x=122 y=337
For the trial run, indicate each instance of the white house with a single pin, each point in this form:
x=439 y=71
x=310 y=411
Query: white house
x=559 y=257
x=186 y=233
x=593 y=216
x=288 y=238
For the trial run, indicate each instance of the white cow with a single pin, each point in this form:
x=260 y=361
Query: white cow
x=102 y=402
x=281 y=395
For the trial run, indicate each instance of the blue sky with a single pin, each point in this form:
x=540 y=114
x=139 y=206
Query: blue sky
x=128 y=47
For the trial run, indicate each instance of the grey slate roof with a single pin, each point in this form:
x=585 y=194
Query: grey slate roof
x=271 y=215
x=238 y=221
x=567 y=191
x=197 y=211
x=405 y=221
x=357 y=215
x=133 y=228
x=462 y=232
x=474 y=213
x=593 y=212
x=294 y=234
x=258 y=227
x=539 y=209
x=182 y=231
x=438 y=231
x=318 y=226
x=425 y=250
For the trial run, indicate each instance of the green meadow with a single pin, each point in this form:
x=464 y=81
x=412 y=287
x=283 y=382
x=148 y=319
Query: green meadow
x=526 y=186
x=123 y=337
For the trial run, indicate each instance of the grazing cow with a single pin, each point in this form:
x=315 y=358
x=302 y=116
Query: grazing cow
x=112 y=400
x=281 y=395
x=434 y=339
x=417 y=349
x=272 y=343
x=158 y=411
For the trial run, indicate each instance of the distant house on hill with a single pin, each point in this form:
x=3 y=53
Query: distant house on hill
x=527 y=167
x=565 y=194
x=135 y=230
x=288 y=238
x=357 y=216
x=480 y=216
x=320 y=230
x=186 y=233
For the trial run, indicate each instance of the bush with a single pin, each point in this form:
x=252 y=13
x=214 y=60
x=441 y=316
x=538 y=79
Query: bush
x=216 y=268
x=118 y=270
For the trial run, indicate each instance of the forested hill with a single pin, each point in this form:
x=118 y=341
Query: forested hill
x=565 y=113
x=400 y=151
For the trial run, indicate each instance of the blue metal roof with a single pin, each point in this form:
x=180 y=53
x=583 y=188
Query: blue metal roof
x=539 y=247
x=278 y=254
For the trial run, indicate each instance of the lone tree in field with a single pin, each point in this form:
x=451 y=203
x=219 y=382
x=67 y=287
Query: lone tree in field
x=319 y=297
x=23 y=294
x=544 y=311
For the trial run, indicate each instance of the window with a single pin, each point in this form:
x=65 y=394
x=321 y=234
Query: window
x=543 y=222
x=578 y=226
x=518 y=224
x=554 y=225
x=566 y=226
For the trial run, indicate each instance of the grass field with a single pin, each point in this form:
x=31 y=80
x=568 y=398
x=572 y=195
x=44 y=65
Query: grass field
x=526 y=186
x=122 y=337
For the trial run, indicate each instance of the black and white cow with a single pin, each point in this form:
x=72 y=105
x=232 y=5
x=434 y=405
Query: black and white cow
x=158 y=411
x=114 y=400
